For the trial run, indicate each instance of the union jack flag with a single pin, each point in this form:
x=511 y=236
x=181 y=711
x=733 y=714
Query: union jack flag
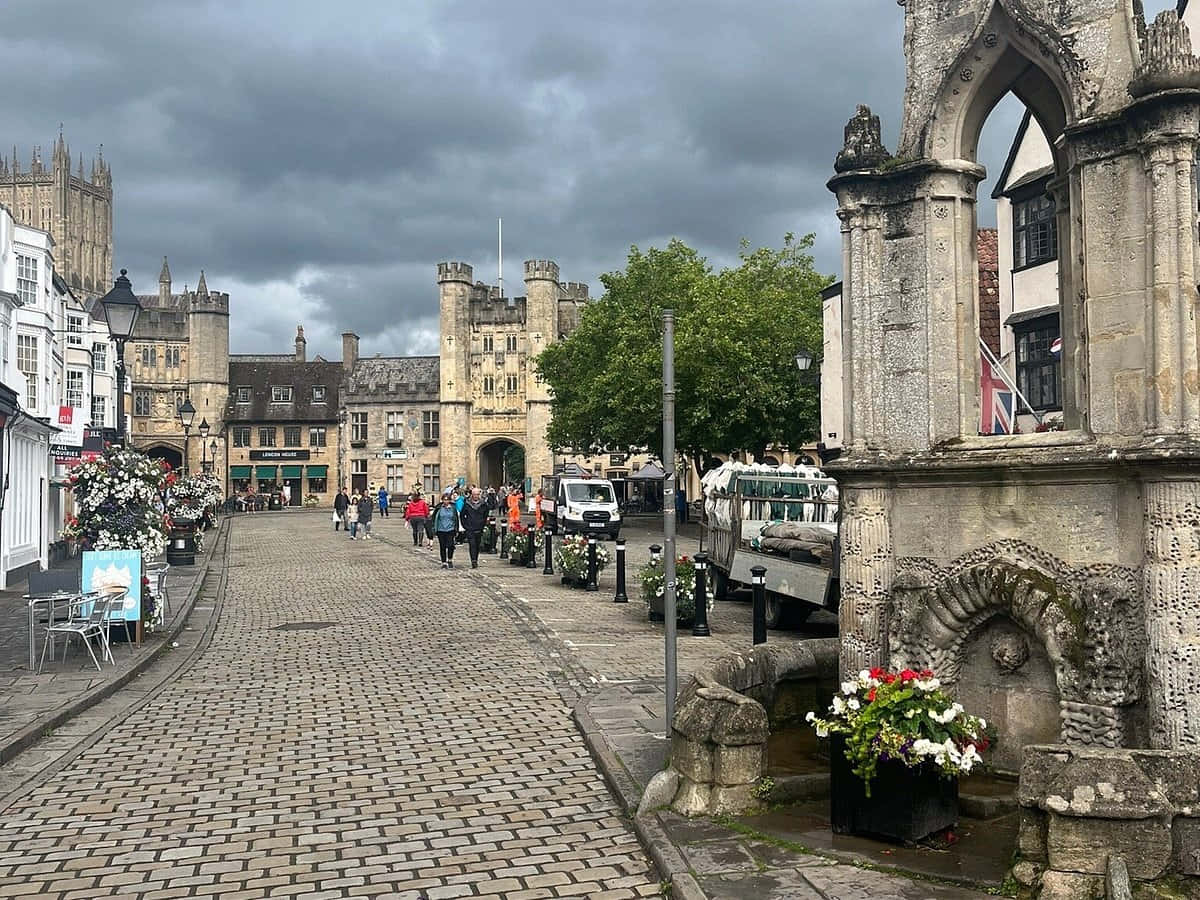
x=997 y=400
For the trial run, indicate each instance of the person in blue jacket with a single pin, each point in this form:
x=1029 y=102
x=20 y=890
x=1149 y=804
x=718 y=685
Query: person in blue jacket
x=383 y=502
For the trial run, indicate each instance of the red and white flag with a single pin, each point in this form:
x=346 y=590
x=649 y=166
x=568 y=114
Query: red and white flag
x=996 y=401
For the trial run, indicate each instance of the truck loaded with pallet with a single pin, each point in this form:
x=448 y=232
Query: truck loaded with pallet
x=783 y=518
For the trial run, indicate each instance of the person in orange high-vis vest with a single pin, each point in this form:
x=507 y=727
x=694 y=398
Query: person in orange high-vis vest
x=537 y=510
x=514 y=508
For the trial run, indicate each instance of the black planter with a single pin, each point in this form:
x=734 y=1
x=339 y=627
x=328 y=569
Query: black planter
x=573 y=581
x=905 y=804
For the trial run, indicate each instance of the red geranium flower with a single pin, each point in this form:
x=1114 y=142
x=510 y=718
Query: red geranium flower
x=908 y=675
x=871 y=695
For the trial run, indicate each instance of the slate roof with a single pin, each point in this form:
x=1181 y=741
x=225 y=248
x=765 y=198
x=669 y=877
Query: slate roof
x=259 y=373
x=410 y=378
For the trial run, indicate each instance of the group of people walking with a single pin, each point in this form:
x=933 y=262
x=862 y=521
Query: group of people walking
x=355 y=513
x=456 y=515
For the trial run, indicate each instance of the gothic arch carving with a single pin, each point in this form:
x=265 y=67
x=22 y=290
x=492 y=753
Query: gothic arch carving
x=1086 y=620
x=1010 y=50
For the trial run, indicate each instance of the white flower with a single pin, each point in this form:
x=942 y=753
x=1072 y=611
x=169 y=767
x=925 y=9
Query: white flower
x=849 y=687
x=839 y=706
x=852 y=703
x=810 y=717
x=822 y=731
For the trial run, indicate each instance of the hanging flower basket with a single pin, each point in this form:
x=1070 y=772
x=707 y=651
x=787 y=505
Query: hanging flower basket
x=118 y=498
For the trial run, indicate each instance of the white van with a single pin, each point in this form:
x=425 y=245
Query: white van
x=576 y=505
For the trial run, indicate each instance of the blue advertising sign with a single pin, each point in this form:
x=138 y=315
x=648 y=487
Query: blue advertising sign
x=113 y=570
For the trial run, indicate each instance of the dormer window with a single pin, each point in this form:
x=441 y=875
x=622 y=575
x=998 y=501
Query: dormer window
x=243 y=394
x=281 y=393
x=318 y=393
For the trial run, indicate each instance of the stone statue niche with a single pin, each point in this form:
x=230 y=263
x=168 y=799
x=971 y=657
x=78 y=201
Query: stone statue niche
x=1052 y=579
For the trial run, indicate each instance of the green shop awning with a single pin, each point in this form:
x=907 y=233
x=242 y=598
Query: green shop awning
x=239 y=471
x=265 y=472
x=292 y=471
x=318 y=471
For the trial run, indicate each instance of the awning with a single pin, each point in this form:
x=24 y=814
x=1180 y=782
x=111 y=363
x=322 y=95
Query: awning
x=649 y=472
x=1027 y=315
x=292 y=471
x=318 y=471
x=265 y=472
x=239 y=471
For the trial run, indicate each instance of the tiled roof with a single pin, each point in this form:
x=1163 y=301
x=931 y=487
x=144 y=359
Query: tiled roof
x=259 y=373
x=405 y=377
x=989 y=288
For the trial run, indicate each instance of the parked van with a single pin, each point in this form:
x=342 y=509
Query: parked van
x=578 y=505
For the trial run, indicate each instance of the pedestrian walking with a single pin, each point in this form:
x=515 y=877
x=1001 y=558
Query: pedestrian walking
x=475 y=516
x=383 y=503
x=446 y=525
x=287 y=496
x=352 y=519
x=537 y=511
x=340 y=503
x=366 y=509
x=416 y=513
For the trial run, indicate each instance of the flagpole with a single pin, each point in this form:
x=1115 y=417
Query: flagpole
x=996 y=367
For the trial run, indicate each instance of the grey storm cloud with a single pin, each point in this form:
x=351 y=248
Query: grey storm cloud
x=318 y=160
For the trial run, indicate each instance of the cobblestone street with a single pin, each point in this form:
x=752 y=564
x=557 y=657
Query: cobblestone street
x=362 y=724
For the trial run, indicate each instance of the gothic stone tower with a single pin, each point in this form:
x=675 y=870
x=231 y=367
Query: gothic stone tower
x=1051 y=578
x=491 y=397
x=180 y=348
x=77 y=211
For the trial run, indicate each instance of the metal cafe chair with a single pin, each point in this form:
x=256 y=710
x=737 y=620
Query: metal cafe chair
x=116 y=615
x=88 y=619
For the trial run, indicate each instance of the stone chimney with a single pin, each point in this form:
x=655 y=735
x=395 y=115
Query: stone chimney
x=349 y=350
x=301 y=345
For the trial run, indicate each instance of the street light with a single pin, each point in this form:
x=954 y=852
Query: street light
x=187 y=415
x=804 y=360
x=212 y=456
x=121 y=310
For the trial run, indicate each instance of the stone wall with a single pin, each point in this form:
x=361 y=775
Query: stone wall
x=1082 y=808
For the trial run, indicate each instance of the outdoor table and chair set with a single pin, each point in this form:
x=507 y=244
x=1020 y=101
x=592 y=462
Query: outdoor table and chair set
x=57 y=604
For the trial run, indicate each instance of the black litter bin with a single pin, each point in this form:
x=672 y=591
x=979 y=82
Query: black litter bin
x=276 y=502
x=181 y=544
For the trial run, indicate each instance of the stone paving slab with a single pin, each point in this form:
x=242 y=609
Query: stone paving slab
x=32 y=704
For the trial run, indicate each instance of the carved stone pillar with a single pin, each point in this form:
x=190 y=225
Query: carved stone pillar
x=862 y=264
x=1173 y=398
x=867 y=570
x=1172 y=597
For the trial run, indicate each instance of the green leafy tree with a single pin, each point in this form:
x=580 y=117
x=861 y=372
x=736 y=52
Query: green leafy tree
x=737 y=332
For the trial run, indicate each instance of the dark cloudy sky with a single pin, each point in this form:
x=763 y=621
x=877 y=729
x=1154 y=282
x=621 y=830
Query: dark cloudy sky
x=319 y=159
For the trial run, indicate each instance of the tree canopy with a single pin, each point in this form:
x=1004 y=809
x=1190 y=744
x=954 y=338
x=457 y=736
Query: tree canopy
x=736 y=335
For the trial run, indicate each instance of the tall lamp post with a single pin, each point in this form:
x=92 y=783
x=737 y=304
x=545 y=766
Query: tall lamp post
x=212 y=456
x=804 y=362
x=121 y=310
x=187 y=415
x=203 y=431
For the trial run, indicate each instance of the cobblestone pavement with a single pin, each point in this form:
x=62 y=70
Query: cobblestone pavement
x=414 y=747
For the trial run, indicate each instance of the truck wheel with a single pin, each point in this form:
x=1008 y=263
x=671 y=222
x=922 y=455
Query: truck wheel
x=776 y=610
x=720 y=586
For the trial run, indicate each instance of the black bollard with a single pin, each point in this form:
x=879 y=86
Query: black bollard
x=531 y=558
x=620 y=595
x=592 y=570
x=700 y=619
x=758 y=576
x=503 y=548
x=548 y=568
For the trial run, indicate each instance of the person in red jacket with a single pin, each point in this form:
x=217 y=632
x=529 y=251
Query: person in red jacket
x=416 y=513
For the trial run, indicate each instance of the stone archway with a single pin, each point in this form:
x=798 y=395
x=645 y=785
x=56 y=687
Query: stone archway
x=172 y=455
x=500 y=461
x=1044 y=651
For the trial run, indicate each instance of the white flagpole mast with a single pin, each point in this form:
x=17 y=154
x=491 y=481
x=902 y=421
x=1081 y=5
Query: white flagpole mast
x=500 y=255
x=995 y=364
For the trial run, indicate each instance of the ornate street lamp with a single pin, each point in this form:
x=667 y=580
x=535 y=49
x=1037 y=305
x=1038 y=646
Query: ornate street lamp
x=804 y=360
x=212 y=456
x=203 y=430
x=121 y=311
x=187 y=415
